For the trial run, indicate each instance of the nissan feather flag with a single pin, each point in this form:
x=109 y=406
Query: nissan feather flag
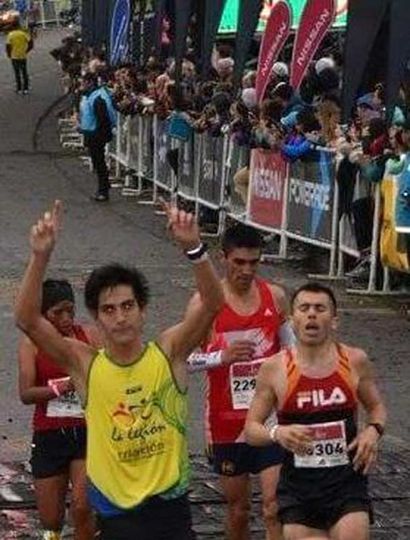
x=274 y=38
x=317 y=18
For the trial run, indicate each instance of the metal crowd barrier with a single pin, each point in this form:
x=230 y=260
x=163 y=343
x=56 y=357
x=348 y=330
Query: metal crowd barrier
x=297 y=201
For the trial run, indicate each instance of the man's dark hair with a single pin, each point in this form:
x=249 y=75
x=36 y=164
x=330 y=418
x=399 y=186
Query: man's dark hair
x=314 y=287
x=113 y=275
x=241 y=236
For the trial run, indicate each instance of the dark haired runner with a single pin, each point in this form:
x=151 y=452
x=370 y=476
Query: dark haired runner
x=317 y=388
x=59 y=438
x=251 y=326
x=134 y=395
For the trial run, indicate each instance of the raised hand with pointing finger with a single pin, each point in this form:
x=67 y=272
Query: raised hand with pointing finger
x=44 y=233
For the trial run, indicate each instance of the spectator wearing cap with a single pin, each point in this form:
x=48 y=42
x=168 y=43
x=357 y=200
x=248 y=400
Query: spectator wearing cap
x=224 y=68
x=280 y=73
x=289 y=100
x=367 y=109
x=301 y=144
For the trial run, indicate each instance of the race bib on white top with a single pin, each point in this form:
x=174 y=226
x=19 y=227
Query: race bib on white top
x=242 y=380
x=328 y=448
x=67 y=405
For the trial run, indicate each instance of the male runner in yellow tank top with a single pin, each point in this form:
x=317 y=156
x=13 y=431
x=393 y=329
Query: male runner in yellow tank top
x=134 y=396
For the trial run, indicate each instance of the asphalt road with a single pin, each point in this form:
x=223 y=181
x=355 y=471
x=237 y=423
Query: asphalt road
x=34 y=171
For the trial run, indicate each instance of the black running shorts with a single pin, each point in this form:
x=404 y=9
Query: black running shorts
x=241 y=458
x=321 y=514
x=54 y=450
x=156 y=520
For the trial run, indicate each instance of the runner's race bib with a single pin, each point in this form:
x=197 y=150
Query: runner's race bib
x=67 y=405
x=242 y=379
x=329 y=447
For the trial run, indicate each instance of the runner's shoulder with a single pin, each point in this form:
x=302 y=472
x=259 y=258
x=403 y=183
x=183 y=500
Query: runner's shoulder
x=273 y=365
x=359 y=360
x=82 y=351
x=93 y=335
x=279 y=295
x=27 y=345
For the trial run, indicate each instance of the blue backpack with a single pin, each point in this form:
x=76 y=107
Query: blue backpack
x=178 y=127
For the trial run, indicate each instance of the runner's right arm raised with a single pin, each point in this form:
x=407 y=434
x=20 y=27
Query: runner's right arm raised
x=180 y=340
x=65 y=352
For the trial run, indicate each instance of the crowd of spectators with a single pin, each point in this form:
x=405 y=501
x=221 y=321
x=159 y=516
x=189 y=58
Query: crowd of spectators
x=285 y=120
x=297 y=124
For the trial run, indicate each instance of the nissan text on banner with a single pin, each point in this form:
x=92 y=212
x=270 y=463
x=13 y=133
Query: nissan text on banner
x=268 y=174
x=274 y=38
x=317 y=18
x=119 y=37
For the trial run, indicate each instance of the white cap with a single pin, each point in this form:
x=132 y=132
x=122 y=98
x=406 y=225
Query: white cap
x=249 y=98
x=280 y=69
x=324 y=63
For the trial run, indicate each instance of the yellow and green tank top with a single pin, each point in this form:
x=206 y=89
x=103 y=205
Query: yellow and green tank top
x=136 y=420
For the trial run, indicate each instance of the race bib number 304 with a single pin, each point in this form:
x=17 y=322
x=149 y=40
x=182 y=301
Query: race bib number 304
x=242 y=378
x=328 y=448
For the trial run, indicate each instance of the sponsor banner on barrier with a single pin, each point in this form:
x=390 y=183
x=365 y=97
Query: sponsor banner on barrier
x=147 y=149
x=211 y=170
x=310 y=202
x=163 y=147
x=186 y=173
x=403 y=199
x=394 y=252
x=268 y=175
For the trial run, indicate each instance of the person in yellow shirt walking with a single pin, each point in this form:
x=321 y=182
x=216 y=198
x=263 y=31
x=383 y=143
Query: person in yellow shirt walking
x=19 y=44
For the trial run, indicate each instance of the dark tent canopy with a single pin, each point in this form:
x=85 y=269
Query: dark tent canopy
x=377 y=48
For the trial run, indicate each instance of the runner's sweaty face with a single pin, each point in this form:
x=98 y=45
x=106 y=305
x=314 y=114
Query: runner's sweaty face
x=313 y=317
x=241 y=267
x=61 y=315
x=119 y=315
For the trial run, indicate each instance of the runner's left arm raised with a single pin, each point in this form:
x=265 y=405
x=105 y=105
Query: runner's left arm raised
x=180 y=340
x=366 y=442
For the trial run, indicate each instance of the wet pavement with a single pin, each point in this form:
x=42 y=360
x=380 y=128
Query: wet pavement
x=34 y=171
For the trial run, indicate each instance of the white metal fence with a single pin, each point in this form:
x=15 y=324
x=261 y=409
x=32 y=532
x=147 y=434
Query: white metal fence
x=297 y=201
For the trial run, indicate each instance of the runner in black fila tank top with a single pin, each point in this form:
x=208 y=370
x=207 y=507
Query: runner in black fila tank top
x=316 y=389
x=329 y=407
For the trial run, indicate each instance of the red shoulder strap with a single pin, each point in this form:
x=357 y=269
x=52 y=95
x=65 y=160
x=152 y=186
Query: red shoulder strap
x=292 y=374
x=268 y=297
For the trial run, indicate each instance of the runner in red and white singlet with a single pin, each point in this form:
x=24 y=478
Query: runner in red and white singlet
x=231 y=388
x=59 y=438
x=250 y=327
